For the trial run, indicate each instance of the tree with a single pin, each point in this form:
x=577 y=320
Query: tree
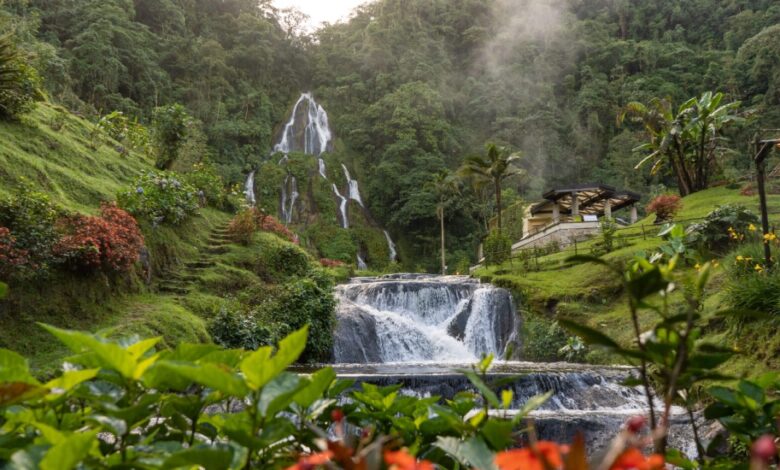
x=443 y=185
x=496 y=167
x=169 y=129
x=19 y=81
x=687 y=140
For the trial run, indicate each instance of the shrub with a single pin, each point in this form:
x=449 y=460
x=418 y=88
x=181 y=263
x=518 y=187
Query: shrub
x=207 y=181
x=307 y=302
x=169 y=131
x=19 y=81
x=111 y=243
x=122 y=129
x=543 y=340
x=665 y=207
x=243 y=226
x=13 y=260
x=234 y=329
x=332 y=263
x=162 y=197
x=751 y=286
x=31 y=216
x=497 y=248
x=269 y=223
x=724 y=227
x=286 y=261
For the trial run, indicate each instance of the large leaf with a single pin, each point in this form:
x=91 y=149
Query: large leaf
x=320 y=382
x=14 y=368
x=259 y=367
x=217 y=457
x=470 y=453
x=208 y=375
x=279 y=393
x=99 y=354
x=68 y=453
x=69 y=380
x=486 y=392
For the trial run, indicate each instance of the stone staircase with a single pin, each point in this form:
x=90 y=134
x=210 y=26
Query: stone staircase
x=179 y=280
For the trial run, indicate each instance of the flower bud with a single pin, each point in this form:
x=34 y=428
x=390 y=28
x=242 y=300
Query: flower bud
x=764 y=448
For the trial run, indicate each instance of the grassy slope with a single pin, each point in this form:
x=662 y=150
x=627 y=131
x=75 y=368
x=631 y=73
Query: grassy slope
x=591 y=294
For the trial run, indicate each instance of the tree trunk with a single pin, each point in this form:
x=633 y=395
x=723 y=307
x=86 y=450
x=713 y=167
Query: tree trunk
x=443 y=257
x=498 y=201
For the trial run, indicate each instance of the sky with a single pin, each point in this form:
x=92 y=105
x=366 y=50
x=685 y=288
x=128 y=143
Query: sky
x=321 y=10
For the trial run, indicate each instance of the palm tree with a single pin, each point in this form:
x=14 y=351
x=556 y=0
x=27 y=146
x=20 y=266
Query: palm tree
x=443 y=185
x=687 y=140
x=498 y=165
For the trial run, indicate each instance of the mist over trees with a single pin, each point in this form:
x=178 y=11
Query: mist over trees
x=412 y=87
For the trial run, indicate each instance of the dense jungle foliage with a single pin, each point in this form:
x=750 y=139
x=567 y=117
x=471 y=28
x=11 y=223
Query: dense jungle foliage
x=414 y=86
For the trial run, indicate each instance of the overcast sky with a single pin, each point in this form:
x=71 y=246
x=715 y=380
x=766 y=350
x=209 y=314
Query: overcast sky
x=321 y=10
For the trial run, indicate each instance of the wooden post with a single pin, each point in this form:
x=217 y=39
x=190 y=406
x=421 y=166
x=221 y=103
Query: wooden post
x=575 y=206
x=607 y=210
x=762 y=151
x=634 y=215
x=556 y=212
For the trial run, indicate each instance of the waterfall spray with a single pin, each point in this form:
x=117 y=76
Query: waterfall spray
x=321 y=163
x=342 y=207
x=354 y=190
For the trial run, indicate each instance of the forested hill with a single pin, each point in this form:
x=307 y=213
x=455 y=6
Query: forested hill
x=412 y=86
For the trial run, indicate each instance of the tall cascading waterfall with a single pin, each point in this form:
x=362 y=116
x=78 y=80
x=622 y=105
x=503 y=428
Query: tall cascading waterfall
x=342 y=207
x=361 y=263
x=414 y=330
x=307 y=131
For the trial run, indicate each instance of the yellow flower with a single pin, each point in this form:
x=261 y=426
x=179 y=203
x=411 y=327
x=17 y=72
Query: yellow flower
x=759 y=268
x=740 y=258
x=752 y=228
x=768 y=237
x=715 y=263
x=697 y=267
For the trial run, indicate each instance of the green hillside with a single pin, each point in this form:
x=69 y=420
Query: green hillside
x=196 y=272
x=548 y=288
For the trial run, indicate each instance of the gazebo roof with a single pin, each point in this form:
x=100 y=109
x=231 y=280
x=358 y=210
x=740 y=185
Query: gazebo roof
x=592 y=198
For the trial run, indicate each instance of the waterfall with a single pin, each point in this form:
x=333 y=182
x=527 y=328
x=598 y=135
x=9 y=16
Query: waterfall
x=312 y=135
x=354 y=191
x=361 y=264
x=342 y=207
x=391 y=248
x=321 y=163
x=287 y=212
x=413 y=330
x=423 y=318
x=249 y=188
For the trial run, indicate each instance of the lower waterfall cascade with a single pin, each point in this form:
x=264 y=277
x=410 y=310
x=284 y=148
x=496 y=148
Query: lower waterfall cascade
x=417 y=329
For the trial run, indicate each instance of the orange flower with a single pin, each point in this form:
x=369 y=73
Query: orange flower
x=402 y=460
x=633 y=459
x=532 y=458
x=308 y=462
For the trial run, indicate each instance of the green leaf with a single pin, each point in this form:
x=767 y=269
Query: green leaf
x=498 y=433
x=486 y=392
x=70 y=379
x=107 y=355
x=532 y=404
x=216 y=457
x=470 y=453
x=208 y=375
x=279 y=393
x=14 y=368
x=320 y=382
x=70 y=452
x=259 y=367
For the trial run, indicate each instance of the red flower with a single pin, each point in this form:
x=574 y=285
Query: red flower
x=402 y=460
x=532 y=458
x=331 y=263
x=764 y=449
x=633 y=459
x=308 y=462
x=636 y=423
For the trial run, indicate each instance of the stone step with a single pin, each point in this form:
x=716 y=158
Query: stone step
x=217 y=250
